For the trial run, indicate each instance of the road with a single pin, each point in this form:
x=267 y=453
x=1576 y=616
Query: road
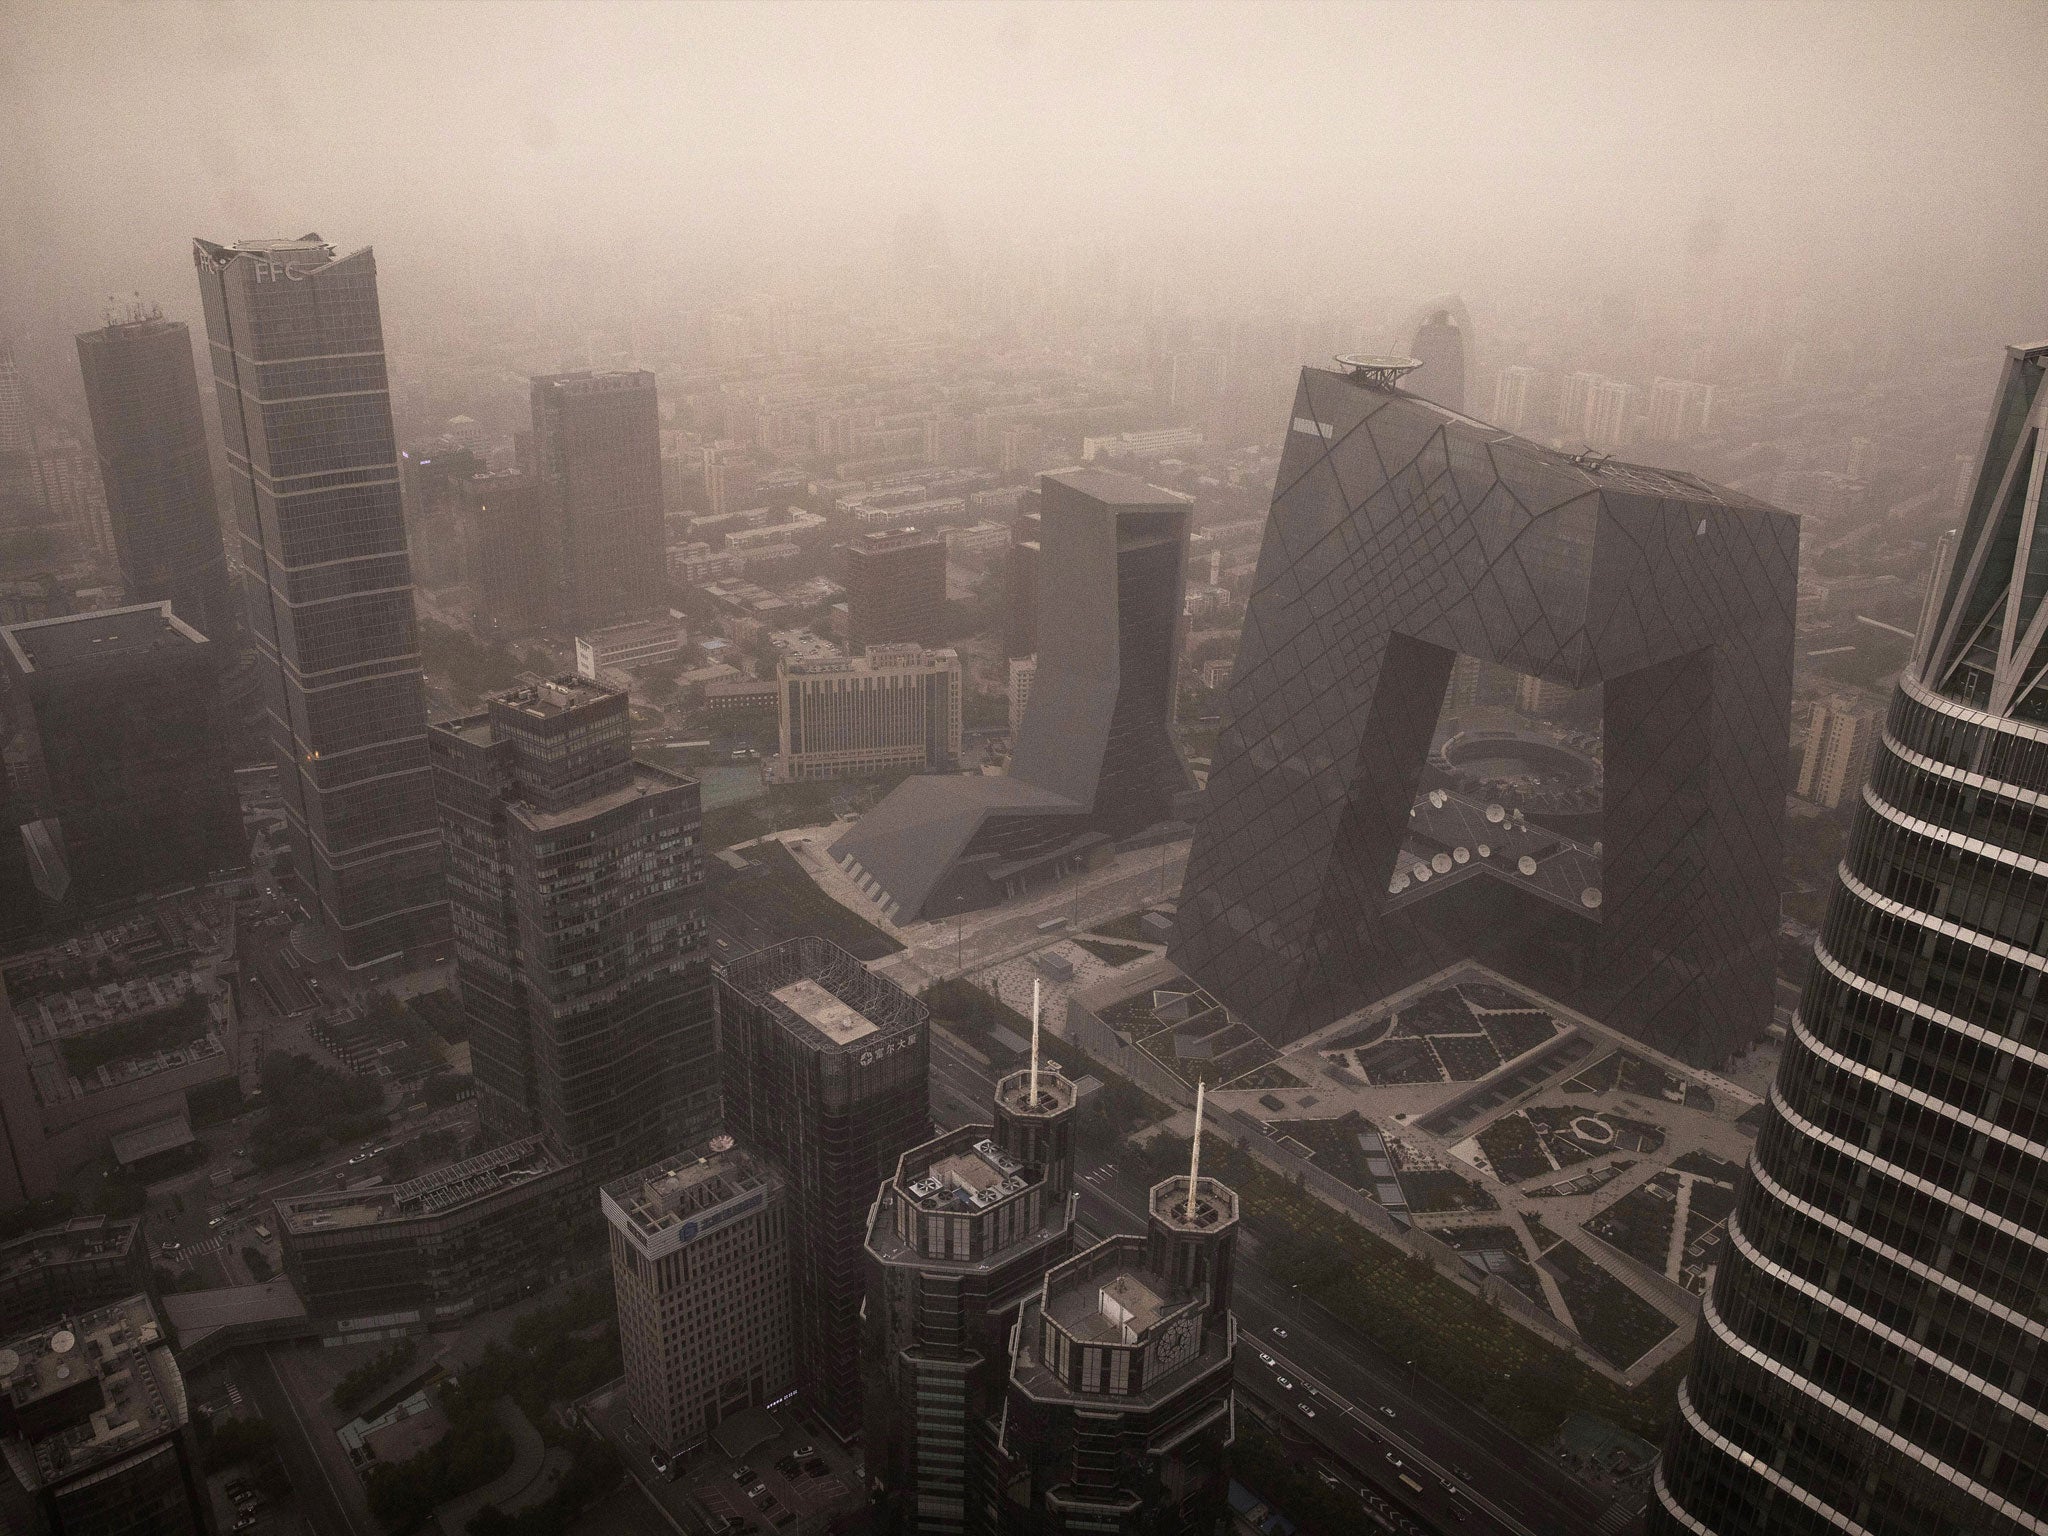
x=313 y=1484
x=1505 y=1485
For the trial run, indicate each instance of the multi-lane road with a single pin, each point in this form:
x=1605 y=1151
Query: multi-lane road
x=1368 y=1408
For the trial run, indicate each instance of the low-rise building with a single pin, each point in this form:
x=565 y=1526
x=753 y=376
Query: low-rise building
x=642 y=643
x=897 y=706
x=82 y=1263
x=95 y=1433
x=392 y=1259
x=700 y=1264
x=741 y=695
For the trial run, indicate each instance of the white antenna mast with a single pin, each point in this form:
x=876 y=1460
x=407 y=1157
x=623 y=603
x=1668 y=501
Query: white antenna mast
x=1195 y=1152
x=1034 y=1043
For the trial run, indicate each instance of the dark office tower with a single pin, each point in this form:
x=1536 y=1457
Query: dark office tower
x=515 y=542
x=575 y=876
x=1020 y=586
x=599 y=436
x=825 y=1068
x=305 y=410
x=1873 y=1355
x=125 y=706
x=1096 y=760
x=959 y=1239
x=1402 y=537
x=895 y=588
x=1120 y=1406
x=143 y=395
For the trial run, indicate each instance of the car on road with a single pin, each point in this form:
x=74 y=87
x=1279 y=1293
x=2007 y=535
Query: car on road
x=1306 y=1411
x=214 y=1221
x=168 y=1248
x=1264 y=1358
x=1395 y=1460
x=1285 y=1384
x=1279 y=1333
x=1386 y=1410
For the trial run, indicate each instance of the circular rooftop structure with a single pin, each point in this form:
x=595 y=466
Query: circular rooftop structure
x=1056 y=1094
x=1376 y=370
x=1215 y=1204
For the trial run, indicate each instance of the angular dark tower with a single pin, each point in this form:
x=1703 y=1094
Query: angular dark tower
x=825 y=1068
x=1020 y=583
x=305 y=410
x=957 y=1243
x=598 y=435
x=142 y=393
x=1873 y=1354
x=1403 y=536
x=576 y=877
x=1096 y=760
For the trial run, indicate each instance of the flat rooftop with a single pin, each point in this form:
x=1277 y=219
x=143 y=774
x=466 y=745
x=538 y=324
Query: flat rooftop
x=80 y=1239
x=92 y=639
x=96 y=1388
x=510 y=1166
x=556 y=696
x=688 y=1187
x=1112 y=1307
x=837 y=1020
x=962 y=1175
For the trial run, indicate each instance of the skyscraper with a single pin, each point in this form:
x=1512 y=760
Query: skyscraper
x=131 y=737
x=959 y=1239
x=143 y=395
x=895 y=588
x=515 y=539
x=305 y=407
x=700 y=1264
x=1441 y=342
x=1674 y=595
x=1681 y=409
x=599 y=436
x=1120 y=1403
x=1096 y=760
x=825 y=1069
x=1839 y=745
x=575 y=874
x=1873 y=1354
x=1513 y=403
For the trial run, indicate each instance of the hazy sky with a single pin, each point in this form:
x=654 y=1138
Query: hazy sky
x=1895 y=150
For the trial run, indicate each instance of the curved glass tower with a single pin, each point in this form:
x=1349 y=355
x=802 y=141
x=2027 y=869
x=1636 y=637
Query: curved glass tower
x=1873 y=1356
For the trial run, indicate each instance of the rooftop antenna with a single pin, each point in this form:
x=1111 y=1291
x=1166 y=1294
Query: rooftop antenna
x=1195 y=1152
x=1034 y=1042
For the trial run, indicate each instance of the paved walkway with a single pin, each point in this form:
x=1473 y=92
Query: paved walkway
x=529 y=1459
x=1681 y=1212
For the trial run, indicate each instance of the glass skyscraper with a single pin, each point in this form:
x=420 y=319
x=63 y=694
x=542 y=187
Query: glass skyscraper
x=1873 y=1354
x=142 y=392
x=598 y=436
x=305 y=408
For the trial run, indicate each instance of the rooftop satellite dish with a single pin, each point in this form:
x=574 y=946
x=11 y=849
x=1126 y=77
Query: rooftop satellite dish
x=1461 y=854
x=721 y=1143
x=1526 y=865
x=10 y=1362
x=1589 y=898
x=63 y=1341
x=1441 y=863
x=1376 y=371
x=1486 y=850
x=1496 y=814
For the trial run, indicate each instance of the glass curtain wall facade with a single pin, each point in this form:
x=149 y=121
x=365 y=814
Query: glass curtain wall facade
x=825 y=1067
x=575 y=877
x=599 y=437
x=142 y=393
x=298 y=360
x=1403 y=536
x=1873 y=1354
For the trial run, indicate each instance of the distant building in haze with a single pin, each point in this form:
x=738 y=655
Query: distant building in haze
x=1839 y=745
x=1442 y=342
x=298 y=362
x=514 y=523
x=1020 y=582
x=599 y=436
x=1513 y=399
x=131 y=738
x=576 y=875
x=825 y=1068
x=897 y=706
x=700 y=1246
x=142 y=393
x=1680 y=410
x=895 y=588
